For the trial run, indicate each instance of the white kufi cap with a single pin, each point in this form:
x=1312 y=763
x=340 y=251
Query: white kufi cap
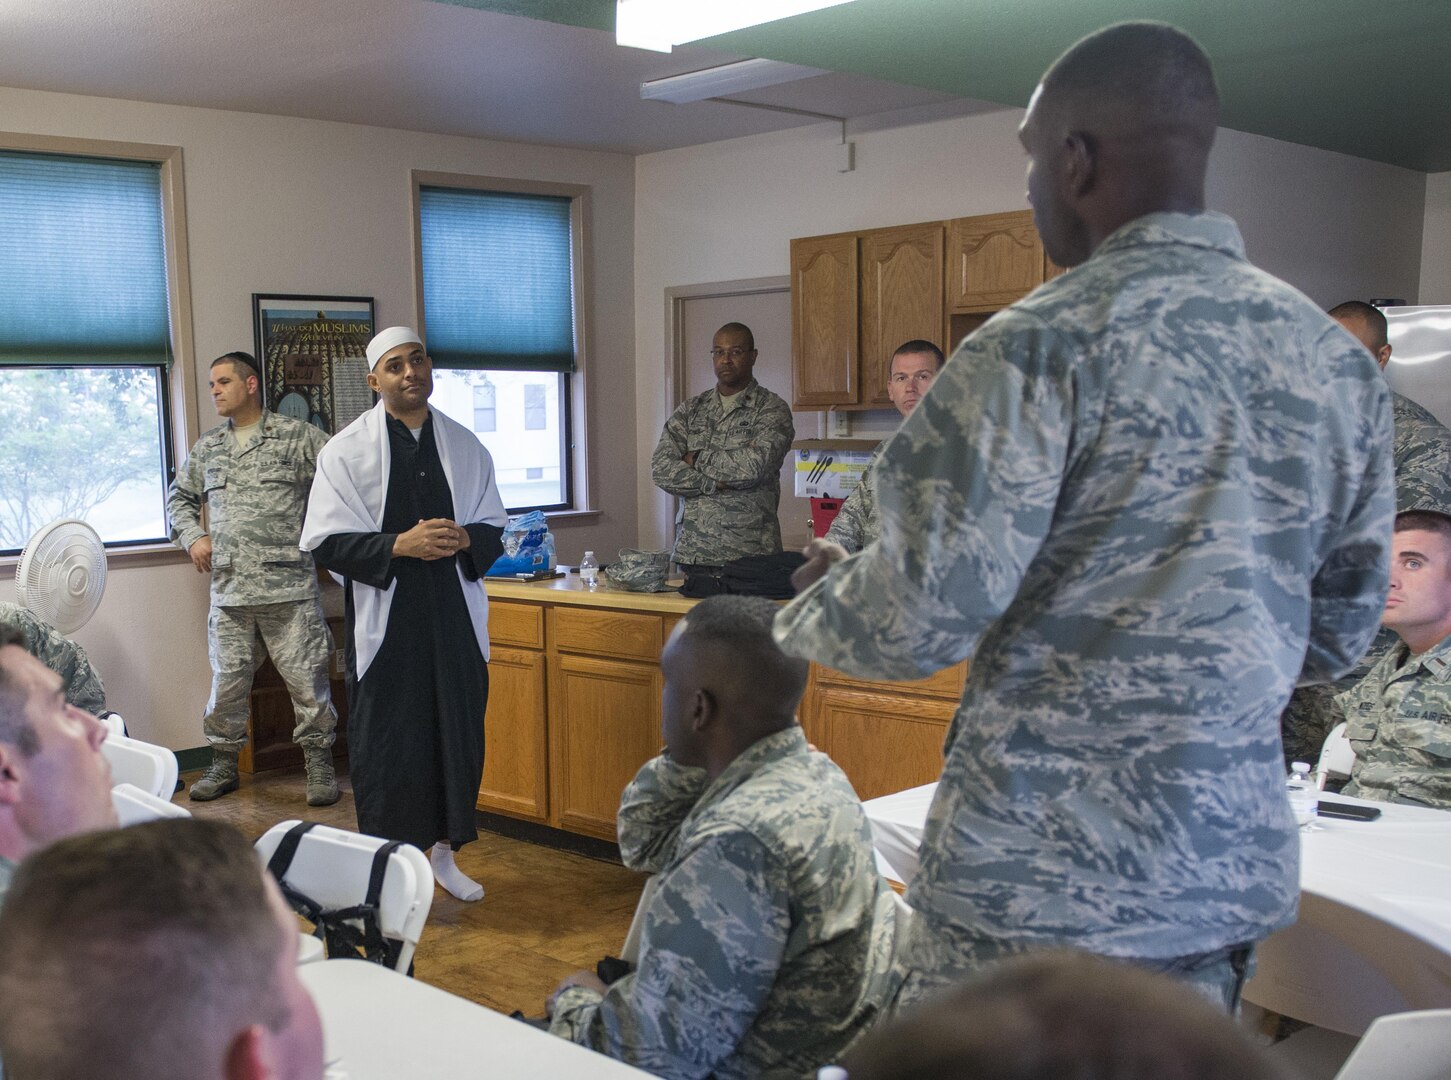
x=387 y=340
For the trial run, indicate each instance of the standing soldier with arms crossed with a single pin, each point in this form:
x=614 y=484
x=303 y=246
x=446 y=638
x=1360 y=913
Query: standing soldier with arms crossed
x=254 y=472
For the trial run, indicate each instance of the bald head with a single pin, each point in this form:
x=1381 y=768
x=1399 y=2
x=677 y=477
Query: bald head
x=727 y=682
x=1368 y=325
x=1120 y=126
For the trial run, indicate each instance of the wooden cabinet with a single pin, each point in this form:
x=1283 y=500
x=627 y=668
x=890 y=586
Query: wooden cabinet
x=886 y=736
x=901 y=299
x=271 y=718
x=855 y=297
x=574 y=707
x=824 y=367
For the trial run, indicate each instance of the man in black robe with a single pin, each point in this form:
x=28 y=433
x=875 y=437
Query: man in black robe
x=404 y=507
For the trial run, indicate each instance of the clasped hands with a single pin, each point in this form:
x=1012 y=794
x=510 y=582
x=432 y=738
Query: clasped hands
x=435 y=538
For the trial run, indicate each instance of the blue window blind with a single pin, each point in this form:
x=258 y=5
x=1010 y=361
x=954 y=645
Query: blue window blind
x=498 y=279
x=82 y=261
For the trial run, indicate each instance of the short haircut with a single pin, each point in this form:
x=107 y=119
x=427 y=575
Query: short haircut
x=923 y=346
x=1373 y=318
x=740 y=628
x=139 y=952
x=15 y=729
x=1148 y=77
x=1059 y=1014
x=1426 y=520
x=245 y=364
x=739 y=328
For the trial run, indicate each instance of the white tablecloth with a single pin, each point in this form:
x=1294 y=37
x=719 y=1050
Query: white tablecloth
x=1374 y=931
x=379 y=1025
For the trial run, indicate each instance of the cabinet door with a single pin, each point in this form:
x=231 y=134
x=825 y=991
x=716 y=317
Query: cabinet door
x=604 y=724
x=901 y=298
x=883 y=742
x=994 y=260
x=516 y=752
x=824 y=367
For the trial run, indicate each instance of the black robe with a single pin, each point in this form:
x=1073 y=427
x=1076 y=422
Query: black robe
x=416 y=719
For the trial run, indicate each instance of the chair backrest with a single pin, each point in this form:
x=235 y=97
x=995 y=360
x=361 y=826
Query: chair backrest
x=1403 y=1046
x=1337 y=757
x=133 y=806
x=115 y=723
x=151 y=768
x=332 y=866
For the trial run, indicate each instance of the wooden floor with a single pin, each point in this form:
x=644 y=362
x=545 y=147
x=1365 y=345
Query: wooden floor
x=545 y=913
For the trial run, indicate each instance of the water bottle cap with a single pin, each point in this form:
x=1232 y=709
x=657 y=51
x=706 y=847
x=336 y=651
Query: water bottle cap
x=1300 y=768
x=589 y=554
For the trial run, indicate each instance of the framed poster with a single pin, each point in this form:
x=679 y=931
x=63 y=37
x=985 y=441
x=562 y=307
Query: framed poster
x=313 y=352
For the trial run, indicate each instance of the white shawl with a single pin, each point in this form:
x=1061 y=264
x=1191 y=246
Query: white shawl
x=348 y=494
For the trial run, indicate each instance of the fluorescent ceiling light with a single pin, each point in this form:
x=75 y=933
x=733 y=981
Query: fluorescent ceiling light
x=663 y=24
x=723 y=80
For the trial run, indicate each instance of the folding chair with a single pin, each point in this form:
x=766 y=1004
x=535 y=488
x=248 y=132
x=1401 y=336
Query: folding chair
x=151 y=768
x=133 y=806
x=1337 y=756
x=332 y=867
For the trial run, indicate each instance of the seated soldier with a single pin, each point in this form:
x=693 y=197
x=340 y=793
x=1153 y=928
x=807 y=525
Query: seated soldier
x=54 y=781
x=158 y=952
x=1398 y=718
x=767 y=946
x=63 y=656
x=1061 y=1014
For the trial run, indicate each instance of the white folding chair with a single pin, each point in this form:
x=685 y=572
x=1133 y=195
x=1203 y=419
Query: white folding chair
x=1337 y=757
x=115 y=724
x=151 y=768
x=1403 y=1046
x=133 y=806
x=331 y=867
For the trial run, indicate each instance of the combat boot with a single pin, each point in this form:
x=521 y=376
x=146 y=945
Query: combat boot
x=322 y=781
x=220 y=777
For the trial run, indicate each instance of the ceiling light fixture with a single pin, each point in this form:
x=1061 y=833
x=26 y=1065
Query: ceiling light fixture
x=724 y=79
x=662 y=24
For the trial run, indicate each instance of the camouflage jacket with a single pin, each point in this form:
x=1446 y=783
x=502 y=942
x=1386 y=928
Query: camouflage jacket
x=65 y=657
x=7 y=871
x=767 y=947
x=1148 y=498
x=255 y=498
x=731 y=495
x=1398 y=719
x=1423 y=457
x=855 y=525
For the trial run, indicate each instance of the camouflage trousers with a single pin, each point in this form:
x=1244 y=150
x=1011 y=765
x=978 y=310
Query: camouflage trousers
x=1217 y=976
x=296 y=637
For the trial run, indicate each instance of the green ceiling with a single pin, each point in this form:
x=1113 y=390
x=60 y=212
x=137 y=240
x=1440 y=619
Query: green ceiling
x=1367 y=78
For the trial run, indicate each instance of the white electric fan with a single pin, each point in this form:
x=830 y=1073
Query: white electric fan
x=62 y=574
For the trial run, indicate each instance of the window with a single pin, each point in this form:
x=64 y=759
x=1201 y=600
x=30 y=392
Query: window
x=88 y=366
x=497 y=288
x=534 y=408
x=485 y=394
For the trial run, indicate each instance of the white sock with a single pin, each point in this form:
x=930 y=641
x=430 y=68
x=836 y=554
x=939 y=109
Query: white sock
x=447 y=874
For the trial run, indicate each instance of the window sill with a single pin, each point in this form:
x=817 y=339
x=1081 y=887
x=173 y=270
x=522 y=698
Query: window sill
x=573 y=517
x=117 y=558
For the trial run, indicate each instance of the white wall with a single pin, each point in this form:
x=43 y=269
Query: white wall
x=282 y=205
x=1436 y=241
x=1336 y=227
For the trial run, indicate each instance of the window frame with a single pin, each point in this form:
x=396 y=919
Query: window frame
x=574 y=396
x=178 y=414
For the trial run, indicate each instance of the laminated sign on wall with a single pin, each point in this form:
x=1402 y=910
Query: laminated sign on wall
x=827 y=473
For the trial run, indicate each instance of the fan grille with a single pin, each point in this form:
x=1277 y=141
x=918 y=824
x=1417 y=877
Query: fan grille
x=62 y=574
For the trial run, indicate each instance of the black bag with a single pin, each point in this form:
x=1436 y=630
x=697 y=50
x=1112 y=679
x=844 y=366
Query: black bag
x=339 y=936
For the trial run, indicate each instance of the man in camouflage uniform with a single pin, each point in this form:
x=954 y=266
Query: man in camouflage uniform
x=254 y=473
x=65 y=657
x=914 y=365
x=766 y=948
x=1399 y=715
x=1146 y=500
x=721 y=452
x=1422 y=456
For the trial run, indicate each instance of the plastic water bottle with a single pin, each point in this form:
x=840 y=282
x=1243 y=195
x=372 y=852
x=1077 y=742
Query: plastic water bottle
x=589 y=570
x=1304 y=798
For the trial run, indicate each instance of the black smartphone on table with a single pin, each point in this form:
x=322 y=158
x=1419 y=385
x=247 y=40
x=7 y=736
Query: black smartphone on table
x=1348 y=811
